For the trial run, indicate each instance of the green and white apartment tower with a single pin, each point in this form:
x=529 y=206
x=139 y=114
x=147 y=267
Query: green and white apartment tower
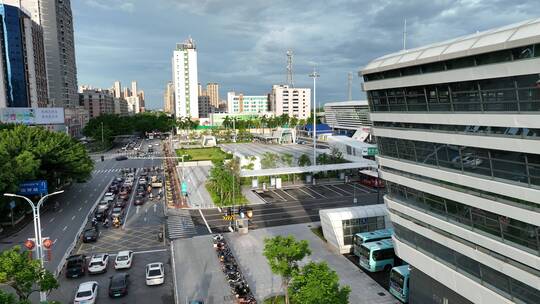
x=458 y=129
x=184 y=68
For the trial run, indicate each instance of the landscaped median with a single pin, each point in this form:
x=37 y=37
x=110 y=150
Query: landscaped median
x=213 y=154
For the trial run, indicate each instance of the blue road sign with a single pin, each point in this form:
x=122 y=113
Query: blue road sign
x=33 y=187
x=184 y=188
x=12 y=204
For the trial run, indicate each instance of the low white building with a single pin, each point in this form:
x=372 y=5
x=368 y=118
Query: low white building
x=351 y=148
x=341 y=224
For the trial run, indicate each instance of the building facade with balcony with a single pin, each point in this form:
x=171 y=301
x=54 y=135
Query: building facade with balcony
x=458 y=132
x=295 y=102
x=246 y=104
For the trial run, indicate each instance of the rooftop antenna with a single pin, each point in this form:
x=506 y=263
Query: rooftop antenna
x=405 y=35
x=349 y=85
x=290 y=80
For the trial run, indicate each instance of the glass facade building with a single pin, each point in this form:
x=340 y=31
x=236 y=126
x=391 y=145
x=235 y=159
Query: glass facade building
x=457 y=124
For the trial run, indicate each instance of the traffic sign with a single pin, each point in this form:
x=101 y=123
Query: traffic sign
x=33 y=187
x=184 y=188
x=229 y=217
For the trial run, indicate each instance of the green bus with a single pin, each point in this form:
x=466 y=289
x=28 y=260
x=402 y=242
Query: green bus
x=399 y=282
x=371 y=236
x=377 y=256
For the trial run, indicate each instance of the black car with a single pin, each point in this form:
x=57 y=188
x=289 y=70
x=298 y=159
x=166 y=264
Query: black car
x=120 y=203
x=118 y=285
x=90 y=235
x=75 y=266
x=100 y=215
x=121 y=157
x=139 y=201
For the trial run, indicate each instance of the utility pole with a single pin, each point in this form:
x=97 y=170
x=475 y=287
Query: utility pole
x=102 y=133
x=405 y=35
x=349 y=86
x=314 y=75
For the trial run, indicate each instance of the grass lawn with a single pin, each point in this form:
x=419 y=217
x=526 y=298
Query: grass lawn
x=274 y=300
x=213 y=154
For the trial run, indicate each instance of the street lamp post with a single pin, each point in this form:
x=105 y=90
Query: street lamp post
x=314 y=75
x=102 y=133
x=37 y=228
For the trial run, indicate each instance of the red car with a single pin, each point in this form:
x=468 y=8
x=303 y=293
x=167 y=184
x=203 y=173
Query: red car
x=139 y=201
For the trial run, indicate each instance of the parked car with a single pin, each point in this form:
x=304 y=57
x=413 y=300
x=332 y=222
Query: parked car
x=75 y=266
x=98 y=263
x=90 y=235
x=118 y=285
x=121 y=157
x=123 y=259
x=155 y=274
x=117 y=212
x=86 y=293
x=139 y=201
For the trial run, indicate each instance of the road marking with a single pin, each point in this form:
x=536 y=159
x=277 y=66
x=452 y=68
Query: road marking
x=145 y=218
x=95 y=189
x=54 y=242
x=350 y=193
x=80 y=190
x=131 y=199
x=205 y=222
x=146 y=210
x=68 y=203
x=137 y=209
x=340 y=194
x=61 y=210
x=80 y=208
x=148 y=251
x=311 y=189
x=283 y=199
x=65 y=228
x=305 y=192
x=86 y=201
x=73 y=217
x=51 y=220
x=155 y=208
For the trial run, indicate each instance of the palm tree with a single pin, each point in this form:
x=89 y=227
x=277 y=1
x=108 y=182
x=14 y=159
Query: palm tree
x=226 y=122
x=264 y=122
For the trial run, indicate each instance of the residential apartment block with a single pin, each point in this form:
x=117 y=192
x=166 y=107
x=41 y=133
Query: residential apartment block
x=240 y=103
x=97 y=102
x=184 y=67
x=296 y=102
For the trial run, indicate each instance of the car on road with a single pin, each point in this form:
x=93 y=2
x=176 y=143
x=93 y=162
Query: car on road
x=142 y=181
x=123 y=259
x=86 y=293
x=118 y=285
x=141 y=192
x=138 y=201
x=117 y=212
x=90 y=235
x=100 y=215
x=123 y=196
x=155 y=274
x=98 y=263
x=75 y=266
x=121 y=157
x=103 y=206
x=113 y=188
x=120 y=203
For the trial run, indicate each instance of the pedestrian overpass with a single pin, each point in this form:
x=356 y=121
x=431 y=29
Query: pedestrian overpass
x=365 y=164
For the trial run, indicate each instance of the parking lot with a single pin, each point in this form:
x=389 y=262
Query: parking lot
x=292 y=205
x=138 y=292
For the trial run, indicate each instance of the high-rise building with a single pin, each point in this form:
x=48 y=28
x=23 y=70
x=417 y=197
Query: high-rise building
x=244 y=104
x=212 y=90
x=295 y=102
x=184 y=67
x=97 y=102
x=134 y=89
x=23 y=79
x=126 y=93
x=117 y=89
x=204 y=106
x=168 y=98
x=457 y=127
x=142 y=105
x=200 y=89
x=56 y=19
x=120 y=107
x=134 y=106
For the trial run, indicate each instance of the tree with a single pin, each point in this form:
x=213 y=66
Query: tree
x=269 y=160
x=283 y=255
x=287 y=159
x=23 y=274
x=316 y=283
x=304 y=160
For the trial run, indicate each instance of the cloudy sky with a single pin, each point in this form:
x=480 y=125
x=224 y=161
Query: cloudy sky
x=242 y=43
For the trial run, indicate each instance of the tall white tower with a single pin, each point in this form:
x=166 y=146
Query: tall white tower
x=184 y=67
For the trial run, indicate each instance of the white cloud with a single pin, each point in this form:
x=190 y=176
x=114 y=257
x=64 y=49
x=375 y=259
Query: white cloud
x=121 y=5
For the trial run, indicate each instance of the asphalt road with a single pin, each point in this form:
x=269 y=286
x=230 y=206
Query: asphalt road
x=293 y=205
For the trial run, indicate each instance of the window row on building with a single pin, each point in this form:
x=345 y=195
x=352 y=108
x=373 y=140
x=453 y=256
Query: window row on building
x=507 y=94
x=502 y=228
x=512 y=132
x=519 y=53
x=512 y=166
x=485 y=275
x=357 y=225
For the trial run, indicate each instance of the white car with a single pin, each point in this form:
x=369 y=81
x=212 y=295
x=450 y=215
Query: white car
x=98 y=263
x=155 y=274
x=86 y=293
x=123 y=260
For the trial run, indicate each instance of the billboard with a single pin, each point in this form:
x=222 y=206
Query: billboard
x=32 y=116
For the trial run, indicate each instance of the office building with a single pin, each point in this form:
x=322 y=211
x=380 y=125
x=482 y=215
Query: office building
x=240 y=103
x=97 y=102
x=76 y=119
x=117 y=88
x=133 y=103
x=23 y=81
x=121 y=107
x=56 y=19
x=347 y=115
x=201 y=90
x=204 y=106
x=126 y=93
x=212 y=90
x=168 y=98
x=184 y=67
x=457 y=127
x=142 y=105
x=295 y=102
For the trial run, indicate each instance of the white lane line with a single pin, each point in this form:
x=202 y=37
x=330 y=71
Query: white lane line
x=61 y=210
x=96 y=189
x=155 y=208
x=148 y=251
x=137 y=209
x=283 y=199
x=340 y=194
x=86 y=201
x=294 y=198
x=80 y=190
x=145 y=218
x=311 y=189
x=305 y=192
x=205 y=222
x=350 y=193
x=131 y=200
x=54 y=242
x=80 y=208
x=65 y=228
x=51 y=220
x=73 y=217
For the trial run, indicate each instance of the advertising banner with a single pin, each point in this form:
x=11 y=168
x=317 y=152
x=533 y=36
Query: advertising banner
x=32 y=116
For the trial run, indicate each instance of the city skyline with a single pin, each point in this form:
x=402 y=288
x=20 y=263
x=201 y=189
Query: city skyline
x=243 y=47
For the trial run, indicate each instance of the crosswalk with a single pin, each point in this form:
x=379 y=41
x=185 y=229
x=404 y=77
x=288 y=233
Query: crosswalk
x=115 y=170
x=180 y=224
